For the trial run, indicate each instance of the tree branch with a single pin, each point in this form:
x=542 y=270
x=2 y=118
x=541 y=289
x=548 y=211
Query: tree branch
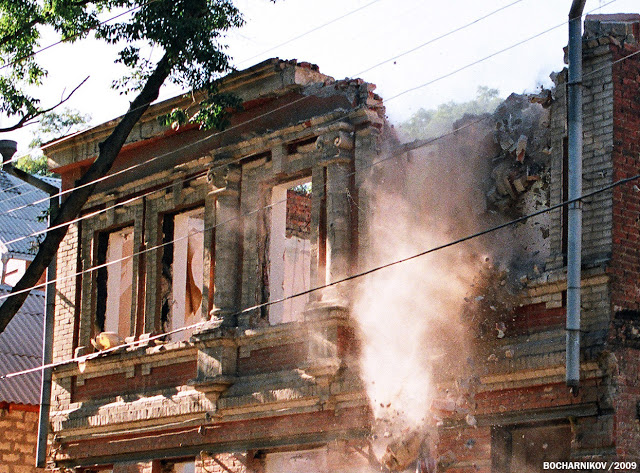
x=26 y=27
x=72 y=206
x=25 y=119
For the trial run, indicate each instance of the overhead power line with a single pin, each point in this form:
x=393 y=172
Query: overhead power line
x=352 y=277
x=206 y=138
x=297 y=101
x=217 y=225
x=69 y=38
x=295 y=38
x=198 y=142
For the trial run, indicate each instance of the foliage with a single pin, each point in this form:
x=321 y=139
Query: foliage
x=34 y=164
x=186 y=31
x=20 y=24
x=431 y=123
x=52 y=125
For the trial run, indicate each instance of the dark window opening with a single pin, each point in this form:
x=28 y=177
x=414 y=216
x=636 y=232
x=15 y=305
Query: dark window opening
x=525 y=448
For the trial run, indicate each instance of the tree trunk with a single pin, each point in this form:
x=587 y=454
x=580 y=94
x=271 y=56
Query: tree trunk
x=71 y=207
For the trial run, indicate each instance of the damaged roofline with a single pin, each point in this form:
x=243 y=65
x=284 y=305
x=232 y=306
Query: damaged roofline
x=279 y=75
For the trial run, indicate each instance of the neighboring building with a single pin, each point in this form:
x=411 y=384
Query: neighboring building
x=275 y=389
x=21 y=349
x=23 y=212
x=21 y=341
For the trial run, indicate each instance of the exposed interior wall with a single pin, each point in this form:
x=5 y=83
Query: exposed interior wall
x=119 y=282
x=188 y=251
x=12 y=271
x=289 y=252
x=182 y=279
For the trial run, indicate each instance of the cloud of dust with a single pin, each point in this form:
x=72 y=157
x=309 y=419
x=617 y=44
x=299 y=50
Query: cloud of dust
x=409 y=315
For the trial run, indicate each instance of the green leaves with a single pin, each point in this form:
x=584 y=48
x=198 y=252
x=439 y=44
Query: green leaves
x=52 y=125
x=426 y=124
x=211 y=113
x=188 y=31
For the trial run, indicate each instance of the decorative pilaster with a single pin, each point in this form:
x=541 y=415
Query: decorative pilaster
x=225 y=188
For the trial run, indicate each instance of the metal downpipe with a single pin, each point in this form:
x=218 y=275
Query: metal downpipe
x=47 y=351
x=574 y=230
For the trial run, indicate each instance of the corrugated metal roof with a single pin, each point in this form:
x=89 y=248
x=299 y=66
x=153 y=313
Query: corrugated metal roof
x=20 y=349
x=14 y=224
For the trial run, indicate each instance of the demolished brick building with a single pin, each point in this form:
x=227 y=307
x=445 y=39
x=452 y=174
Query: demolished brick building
x=225 y=227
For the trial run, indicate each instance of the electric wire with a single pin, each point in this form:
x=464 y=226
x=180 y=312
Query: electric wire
x=220 y=165
x=172 y=184
x=437 y=38
x=303 y=98
x=313 y=30
x=431 y=250
x=375 y=269
x=73 y=36
x=621 y=59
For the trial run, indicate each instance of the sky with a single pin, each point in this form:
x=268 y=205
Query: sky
x=419 y=53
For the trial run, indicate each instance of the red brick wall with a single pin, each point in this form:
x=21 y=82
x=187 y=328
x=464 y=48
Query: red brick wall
x=468 y=450
x=18 y=437
x=625 y=260
x=160 y=377
x=626 y=424
x=535 y=397
x=532 y=318
x=298 y=214
x=265 y=360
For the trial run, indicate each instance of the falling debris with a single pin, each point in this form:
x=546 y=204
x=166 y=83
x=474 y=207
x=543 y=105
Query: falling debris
x=500 y=327
x=471 y=420
x=400 y=454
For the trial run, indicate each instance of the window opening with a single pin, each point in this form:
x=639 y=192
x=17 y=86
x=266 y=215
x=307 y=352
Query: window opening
x=525 y=448
x=115 y=281
x=178 y=467
x=182 y=271
x=290 y=249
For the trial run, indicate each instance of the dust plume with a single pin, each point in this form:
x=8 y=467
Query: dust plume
x=409 y=315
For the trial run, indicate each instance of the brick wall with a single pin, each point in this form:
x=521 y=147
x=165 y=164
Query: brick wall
x=64 y=330
x=597 y=109
x=464 y=449
x=298 y=214
x=625 y=260
x=18 y=437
